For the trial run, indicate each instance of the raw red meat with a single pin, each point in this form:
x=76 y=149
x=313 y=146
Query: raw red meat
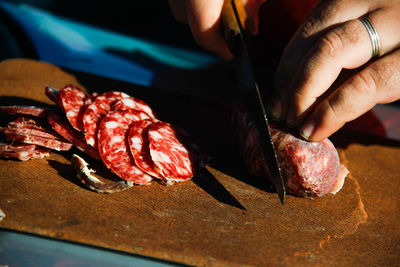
x=113 y=145
x=96 y=111
x=24 y=110
x=171 y=158
x=309 y=169
x=139 y=146
x=61 y=126
x=72 y=101
x=131 y=103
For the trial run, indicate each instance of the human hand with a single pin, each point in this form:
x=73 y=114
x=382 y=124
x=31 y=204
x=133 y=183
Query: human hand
x=332 y=39
x=204 y=19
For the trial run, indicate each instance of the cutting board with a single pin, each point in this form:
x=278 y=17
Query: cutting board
x=224 y=216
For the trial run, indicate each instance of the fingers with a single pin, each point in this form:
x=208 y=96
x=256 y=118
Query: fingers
x=204 y=18
x=346 y=46
x=378 y=83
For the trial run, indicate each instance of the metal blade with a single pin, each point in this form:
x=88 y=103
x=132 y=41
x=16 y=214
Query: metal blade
x=251 y=94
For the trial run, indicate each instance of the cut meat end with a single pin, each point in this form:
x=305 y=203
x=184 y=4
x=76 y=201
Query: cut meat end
x=24 y=110
x=113 y=146
x=171 y=158
x=88 y=178
x=139 y=146
x=72 y=101
x=52 y=94
x=131 y=103
x=23 y=152
x=309 y=169
x=95 y=112
x=62 y=127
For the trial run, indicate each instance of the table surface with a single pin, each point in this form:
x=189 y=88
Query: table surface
x=223 y=216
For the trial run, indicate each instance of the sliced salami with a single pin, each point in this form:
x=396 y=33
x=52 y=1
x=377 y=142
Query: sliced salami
x=33 y=126
x=171 y=158
x=16 y=147
x=72 y=101
x=132 y=103
x=139 y=146
x=58 y=145
x=113 y=146
x=94 y=113
x=62 y=127
x=22 y=152
x=24 y=110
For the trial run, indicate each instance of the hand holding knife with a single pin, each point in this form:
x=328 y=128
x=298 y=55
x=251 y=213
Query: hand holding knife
x=234 y=17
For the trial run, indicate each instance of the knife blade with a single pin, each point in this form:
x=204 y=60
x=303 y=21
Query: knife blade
x=234 y=18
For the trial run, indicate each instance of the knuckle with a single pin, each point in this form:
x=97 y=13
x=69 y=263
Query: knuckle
x=331 y=43
x=309 y=26
x=365 y=83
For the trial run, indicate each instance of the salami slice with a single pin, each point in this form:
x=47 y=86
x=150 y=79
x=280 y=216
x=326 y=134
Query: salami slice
x=72 y=101
x=24 y=110
x=139 y=146
x=22 y=152
x=309 y=169
x=113 y=146
x=62 y=127
x=131 y=103
x=58 y=145
x=95 y=112
x=171 y=158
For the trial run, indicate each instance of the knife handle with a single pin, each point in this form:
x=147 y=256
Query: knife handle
x=231 y=28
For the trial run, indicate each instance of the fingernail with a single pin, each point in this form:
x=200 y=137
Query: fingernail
x=307 y=129
x=276 y=111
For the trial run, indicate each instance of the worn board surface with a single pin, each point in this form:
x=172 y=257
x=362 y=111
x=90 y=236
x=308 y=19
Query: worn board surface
x=223 y=216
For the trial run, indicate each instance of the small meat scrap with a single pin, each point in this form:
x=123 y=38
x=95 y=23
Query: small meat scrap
x=72 y=101
x=309 y=169
x=88 y=178
x=139 y=146
x=62 y=127
x=37 y=140
x=171 y=157
x=24 y=110
x=22 y=152
x=95 y=112
x=113 y=145
x=132 y=103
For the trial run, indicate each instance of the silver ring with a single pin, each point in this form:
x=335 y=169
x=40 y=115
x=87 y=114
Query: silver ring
x=373 y=36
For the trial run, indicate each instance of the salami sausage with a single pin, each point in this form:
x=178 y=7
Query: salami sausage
x=95 y=112
x=24 y=110
x=16 y=136
x=131 y=103
x=139 y=146
x=113 y=145
x=62 y=127
x=309 y=169
x=72 y=101
x=171 y=158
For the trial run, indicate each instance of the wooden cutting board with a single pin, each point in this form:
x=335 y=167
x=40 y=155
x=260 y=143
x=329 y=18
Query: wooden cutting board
x=224 y=216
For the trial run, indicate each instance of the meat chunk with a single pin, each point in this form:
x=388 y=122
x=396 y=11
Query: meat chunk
x=309 y=169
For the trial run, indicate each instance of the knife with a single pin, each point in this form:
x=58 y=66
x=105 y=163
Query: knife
x=233 y=19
